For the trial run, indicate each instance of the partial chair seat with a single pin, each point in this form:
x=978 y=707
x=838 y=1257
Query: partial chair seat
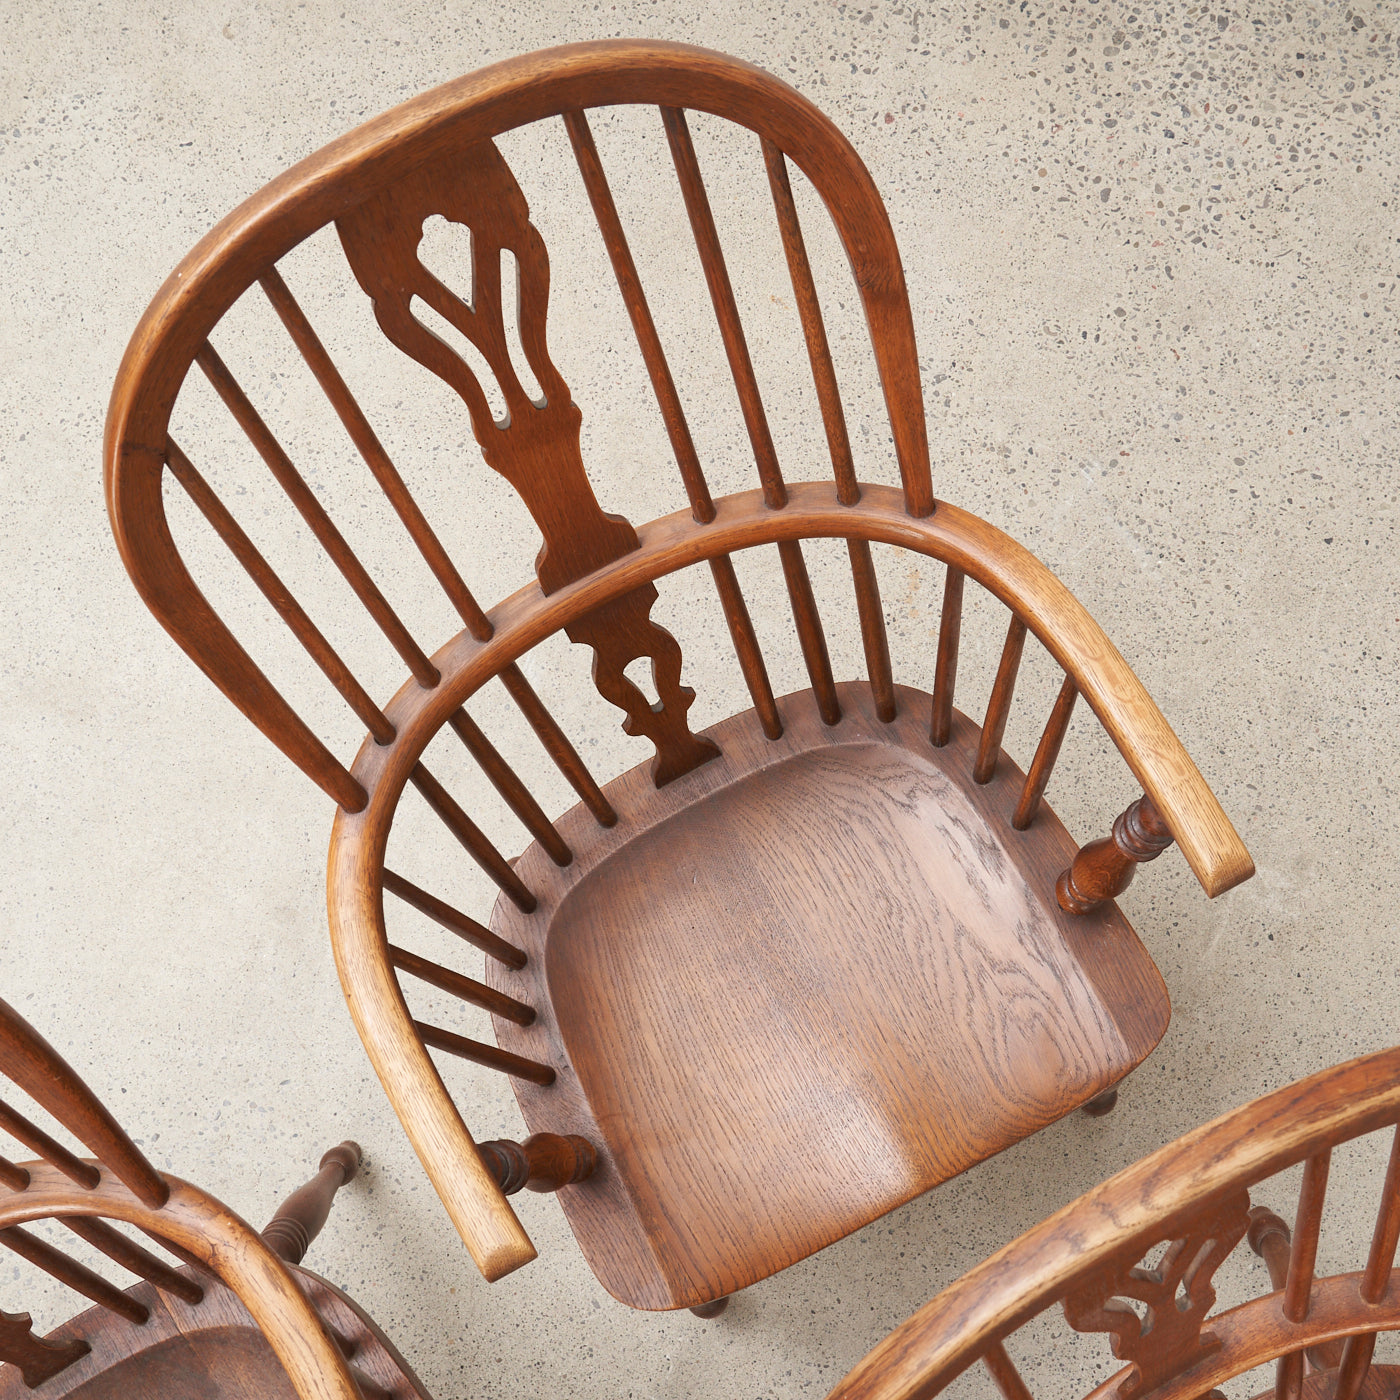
x=803 y=984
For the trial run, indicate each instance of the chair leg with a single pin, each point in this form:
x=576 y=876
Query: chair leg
x=300 y=1217
x=1102 y=1103
x=708 y=1310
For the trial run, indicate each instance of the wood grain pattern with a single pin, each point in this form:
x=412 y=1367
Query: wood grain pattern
x=1193 y=1188
x=482 y=1216
x=699 y=971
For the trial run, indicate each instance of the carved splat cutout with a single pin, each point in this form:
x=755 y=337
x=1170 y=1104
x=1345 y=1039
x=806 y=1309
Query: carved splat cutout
x=37 y=1359
x=1175 y=1297
x=535 y=445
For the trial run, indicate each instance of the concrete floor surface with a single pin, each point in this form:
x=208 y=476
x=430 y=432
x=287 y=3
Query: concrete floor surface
x=1152 y=253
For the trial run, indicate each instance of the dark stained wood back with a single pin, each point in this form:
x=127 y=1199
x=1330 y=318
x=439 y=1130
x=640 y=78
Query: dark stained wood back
x=434 y=157
x=1194 y=1196
x=118 y=1184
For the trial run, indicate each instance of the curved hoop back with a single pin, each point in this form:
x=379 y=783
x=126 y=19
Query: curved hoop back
x=434 y=156
x=1193 y=1196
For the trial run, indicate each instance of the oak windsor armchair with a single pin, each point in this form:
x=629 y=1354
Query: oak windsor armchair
x=722 y=1075
x=1194 y=1196
x=239 y=1322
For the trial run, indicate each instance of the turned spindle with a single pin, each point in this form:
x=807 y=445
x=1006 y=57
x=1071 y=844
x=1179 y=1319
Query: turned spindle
x=300 y=1217
x=1102 y=870
x=544 y=1162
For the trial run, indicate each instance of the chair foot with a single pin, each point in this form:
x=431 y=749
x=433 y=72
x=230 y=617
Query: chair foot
x=708 y=1310
x=1102 y=1103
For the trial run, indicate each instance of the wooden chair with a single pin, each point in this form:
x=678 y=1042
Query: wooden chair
x=1194 y=1197
x=236 y=1323
x=801 y=967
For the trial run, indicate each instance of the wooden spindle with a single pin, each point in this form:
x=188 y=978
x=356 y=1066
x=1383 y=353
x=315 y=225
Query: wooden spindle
x=478 y=935
x=76 y=1276
x=472 y=838
x=504 y=780
x=560 y=750
x=314 y=513
x=115 y=1245
x=702 y=224
x=746 y=648
x=809 y=630
x=1046 y=753
x=13 y=1175
x=54 y=1153
x=945 y=673
x=1357 y=1351
x=517 y=1066
x=873 y=636
x=543 y=1162
x=1291 y=1263
x=37 y=1069
x=1302 y=1255
x=557 y=745
x=1102 y=870
x=804 y=291
x=298 y=1220
x=272 y=588
x=999 y=706
x=702 y=507
x=376 y=458
x=38 y=1360
x=463 y=988
x=1004 y=1373
x=1386 y=1235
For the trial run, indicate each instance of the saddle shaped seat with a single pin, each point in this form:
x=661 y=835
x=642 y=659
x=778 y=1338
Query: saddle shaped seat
x=803 y=984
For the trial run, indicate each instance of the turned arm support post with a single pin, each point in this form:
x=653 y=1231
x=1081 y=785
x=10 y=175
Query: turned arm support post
x=1102 y=870
x=1271 y=1239
x=544 y=1162
x=300 y=1217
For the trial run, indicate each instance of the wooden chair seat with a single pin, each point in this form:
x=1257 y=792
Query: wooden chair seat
x=830 y=949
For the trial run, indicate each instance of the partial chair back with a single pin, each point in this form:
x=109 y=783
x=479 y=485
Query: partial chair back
x=117 y=1184
x=1194 y=1196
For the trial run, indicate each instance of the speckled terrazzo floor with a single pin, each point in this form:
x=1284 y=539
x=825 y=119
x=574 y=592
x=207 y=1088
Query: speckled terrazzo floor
x=1152 y=254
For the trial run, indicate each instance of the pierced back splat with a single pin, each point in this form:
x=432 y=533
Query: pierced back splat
x=1177 y=1295
x=536 y=445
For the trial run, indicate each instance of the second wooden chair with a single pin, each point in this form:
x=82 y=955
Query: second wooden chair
x=238 y=1322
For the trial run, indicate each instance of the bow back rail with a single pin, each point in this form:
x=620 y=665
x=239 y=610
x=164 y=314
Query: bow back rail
x=117 y=1184
x=1193 y=1196
x=434 y=156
